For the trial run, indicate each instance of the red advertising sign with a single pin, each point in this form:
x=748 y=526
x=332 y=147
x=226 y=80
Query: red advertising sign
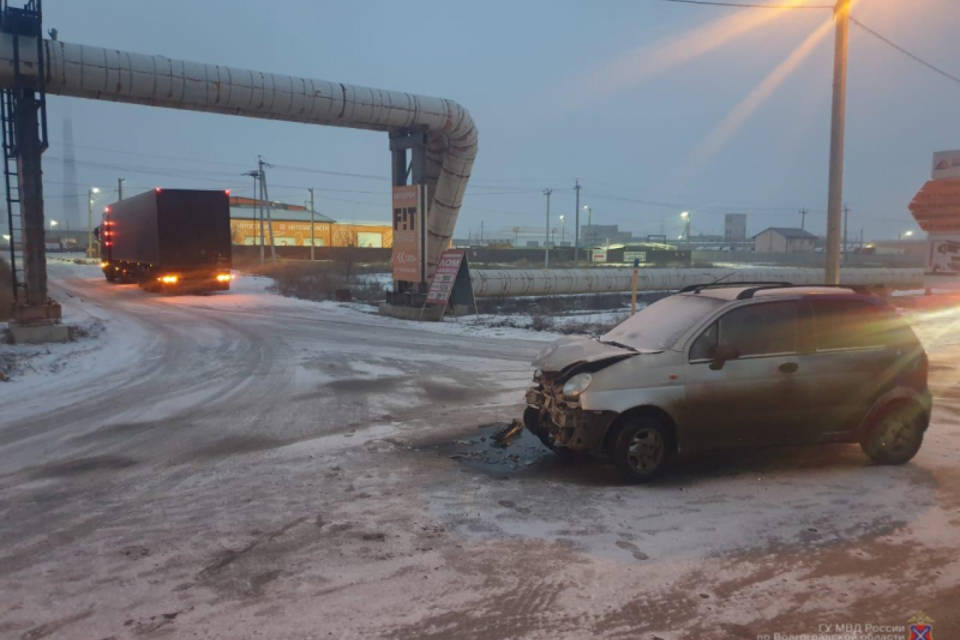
x=446 y=275
x=405 y=261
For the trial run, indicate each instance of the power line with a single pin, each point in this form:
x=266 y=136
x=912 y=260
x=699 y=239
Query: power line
x=875 y=34
x=752 y=5
x=910 y=55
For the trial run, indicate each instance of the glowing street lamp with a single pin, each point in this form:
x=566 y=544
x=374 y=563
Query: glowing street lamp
x=53 y=224
x=685 y=216
x=90 y=193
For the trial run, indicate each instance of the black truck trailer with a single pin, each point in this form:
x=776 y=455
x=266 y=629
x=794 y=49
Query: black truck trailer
x=169 y=240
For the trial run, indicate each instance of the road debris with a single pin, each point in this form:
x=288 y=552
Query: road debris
x=505 y=436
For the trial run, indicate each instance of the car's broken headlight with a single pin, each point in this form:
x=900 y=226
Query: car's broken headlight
x=577 y=385
x=538 y=375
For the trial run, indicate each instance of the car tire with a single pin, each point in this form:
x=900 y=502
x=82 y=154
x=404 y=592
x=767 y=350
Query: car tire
x=641 y=449
x=895 y=435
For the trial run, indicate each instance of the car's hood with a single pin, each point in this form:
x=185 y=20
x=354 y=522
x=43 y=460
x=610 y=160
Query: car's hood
x=572 y=350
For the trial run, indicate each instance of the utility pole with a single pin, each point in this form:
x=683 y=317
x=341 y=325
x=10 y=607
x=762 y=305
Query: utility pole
x=546 y=241
x=803 y=219
x=846 y=214
x=313 y=236
x=481 y=232
x=257 y=209
x=265 y=203
x=835 y=199
x=576 y=222
x=120 y=188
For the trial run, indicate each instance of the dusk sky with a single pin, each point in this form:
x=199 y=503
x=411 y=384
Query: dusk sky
x=634 y=98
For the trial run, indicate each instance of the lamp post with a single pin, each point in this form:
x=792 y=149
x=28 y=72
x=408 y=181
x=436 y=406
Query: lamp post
x=837 y=126
x=904 y=234
x=590 y=221
x=685 y=216
x=561 y=230
x=92 y=191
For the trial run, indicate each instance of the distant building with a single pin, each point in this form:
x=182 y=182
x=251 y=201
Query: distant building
x=292 y=228
x=601 y=234
x=784 y=240
x=735 y=227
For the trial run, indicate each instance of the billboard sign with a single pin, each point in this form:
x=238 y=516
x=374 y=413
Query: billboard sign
x=406 y=261
x=598 y=255
x=451 y=282
x=943 y=255
x=445 y=276
x=630 y=256
x=946 y=165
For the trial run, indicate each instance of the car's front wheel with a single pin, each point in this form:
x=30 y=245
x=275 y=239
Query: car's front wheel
x=640 y=449
x=895 y=435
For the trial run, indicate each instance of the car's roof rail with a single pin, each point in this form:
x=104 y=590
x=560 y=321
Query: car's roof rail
x=697 y=288
x=749 y=293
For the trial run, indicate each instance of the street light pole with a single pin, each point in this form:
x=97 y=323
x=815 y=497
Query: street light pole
x=313 y=238
x=546 y=240
x=835 y=198
x=576 y=225
x=90 y=193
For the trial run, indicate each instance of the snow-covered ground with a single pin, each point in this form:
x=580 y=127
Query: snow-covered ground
x=245 y=465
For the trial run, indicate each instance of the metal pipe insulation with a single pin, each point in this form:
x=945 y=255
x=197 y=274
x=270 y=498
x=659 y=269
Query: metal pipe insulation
x=107 y=74
x=537 y=282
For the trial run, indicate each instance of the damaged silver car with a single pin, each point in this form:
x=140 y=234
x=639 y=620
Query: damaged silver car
x=742 y=365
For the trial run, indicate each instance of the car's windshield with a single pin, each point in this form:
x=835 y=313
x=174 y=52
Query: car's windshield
x=659 y=325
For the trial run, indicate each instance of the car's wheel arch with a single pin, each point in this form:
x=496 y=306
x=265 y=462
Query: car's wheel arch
x=897 y=396
x=642 y=411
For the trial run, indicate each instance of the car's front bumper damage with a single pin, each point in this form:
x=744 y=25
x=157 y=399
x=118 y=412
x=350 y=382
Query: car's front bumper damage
x=562 y=423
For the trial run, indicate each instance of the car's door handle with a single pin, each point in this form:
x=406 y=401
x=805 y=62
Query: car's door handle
x=789 y=367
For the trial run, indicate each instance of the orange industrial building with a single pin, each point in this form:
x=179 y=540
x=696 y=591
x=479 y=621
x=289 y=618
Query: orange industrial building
x=291 y=227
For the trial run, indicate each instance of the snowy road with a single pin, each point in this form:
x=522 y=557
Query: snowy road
x=245 y=465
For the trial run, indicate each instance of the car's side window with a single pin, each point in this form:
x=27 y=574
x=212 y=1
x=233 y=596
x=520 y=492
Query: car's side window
x=761 y=329
x=850 y=324
x=704 y=346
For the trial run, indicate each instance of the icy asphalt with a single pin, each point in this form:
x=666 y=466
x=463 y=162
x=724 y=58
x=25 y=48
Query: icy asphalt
x=244 y=465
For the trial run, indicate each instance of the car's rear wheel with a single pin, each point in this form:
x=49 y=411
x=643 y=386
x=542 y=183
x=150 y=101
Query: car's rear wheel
x=895 y=435
x=641 y=449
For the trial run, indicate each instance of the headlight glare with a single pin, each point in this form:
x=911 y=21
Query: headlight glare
x=577 y=385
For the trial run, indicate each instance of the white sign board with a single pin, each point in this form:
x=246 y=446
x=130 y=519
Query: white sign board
x=944 y=253
x=946 y=165
x=630 y=256
x=598 y=255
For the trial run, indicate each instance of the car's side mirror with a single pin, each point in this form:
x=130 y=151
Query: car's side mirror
x=721 y=354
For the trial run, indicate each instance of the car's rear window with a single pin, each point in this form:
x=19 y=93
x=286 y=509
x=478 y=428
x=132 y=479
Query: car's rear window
x=659 y=325
x=845 y=323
